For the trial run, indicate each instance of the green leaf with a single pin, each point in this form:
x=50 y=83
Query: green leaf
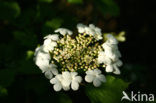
x=30 y=54
x=54 y=23
x=9 y=10
x=75 y=1
x=51 y=25
x=109 y=92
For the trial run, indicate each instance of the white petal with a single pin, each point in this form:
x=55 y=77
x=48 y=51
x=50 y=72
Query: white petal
x=48 y=48
x=101 y=77
x=54 y=71
x=53 y=81
x=119 y=63
x=66 y=82
x=112 y=39
x=53 y=37
x=92 y=26
x=74 y=85
x=109 y=68
x=89 y=78
x=90 y=72
x=48 y=74
x=97 y=71
x=66 y=74
x=38 y=49
x=73 y=74
x=66 y=88
x=81 y=28
x=47 y=41
x=96 y=82
x=78 y=79
x=70 y=32
x=59 y=77
x=64 y=31
x=57 y=87
x=42 y=64
x=52 y=66
x=98 y=37
x=116 y=70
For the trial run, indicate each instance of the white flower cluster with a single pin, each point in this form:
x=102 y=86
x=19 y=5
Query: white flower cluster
x=70 y=79
x=66 y=79
x=110 y=56
x=90 y=30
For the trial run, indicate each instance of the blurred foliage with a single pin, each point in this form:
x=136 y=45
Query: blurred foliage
x=109 y=92
x=9 y=10
x=3 y=91
x=76 y=1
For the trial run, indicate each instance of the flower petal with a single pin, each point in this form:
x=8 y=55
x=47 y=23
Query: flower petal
x=101 y=77
x=116 y=69
x=109 y=68
x=66 y=88
x=90 y=72
x=48 y=74
x=66 y=82
x=53 y=81
x=97 y=71
x=96 y=82
x=57 y=87
x=74 y=85
x=66 y=75
x=89 y=78
x=54 y=71
x=73 y=74
x=78 y=79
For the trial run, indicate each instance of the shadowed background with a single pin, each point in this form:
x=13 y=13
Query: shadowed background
x=24 y=23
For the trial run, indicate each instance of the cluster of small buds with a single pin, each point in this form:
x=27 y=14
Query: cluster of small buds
x=63 y=56
x=79 y=53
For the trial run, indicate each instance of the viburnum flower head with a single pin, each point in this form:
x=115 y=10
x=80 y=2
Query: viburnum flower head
x=66 y=56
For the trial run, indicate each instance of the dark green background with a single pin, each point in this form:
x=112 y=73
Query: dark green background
x=24 y=23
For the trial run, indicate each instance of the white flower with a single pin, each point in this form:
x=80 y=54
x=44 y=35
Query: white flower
x=66 y=80
x=61 y=81
x=50 y=70
x=111 y=51
x=95 y=76
x=64 y=31
x=111 y=48
x=49 y=45
x=75 y=80
x=42 y=61
x=41 y=58
x=102 y=58
x=90 y=30
x=57 y=82
x=53 y=37
x=110 y=56
x=111 y=65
